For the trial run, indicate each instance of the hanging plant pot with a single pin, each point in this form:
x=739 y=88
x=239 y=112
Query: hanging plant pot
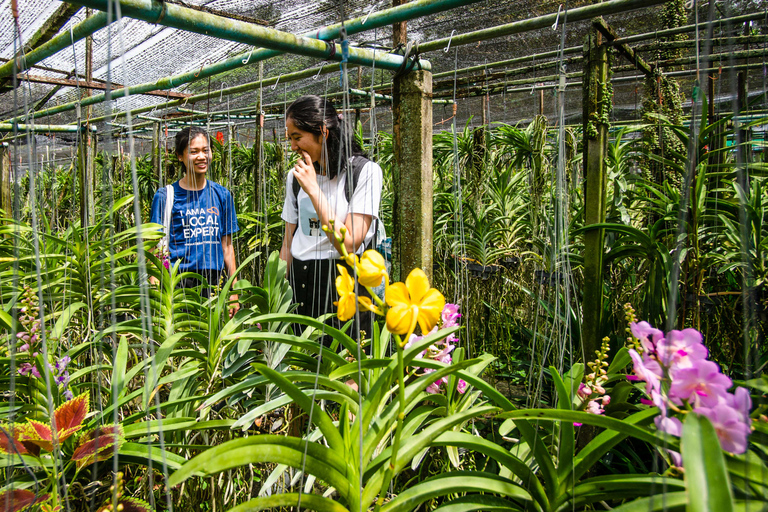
x=511 y=262
x=483 y=272
x=547 y=278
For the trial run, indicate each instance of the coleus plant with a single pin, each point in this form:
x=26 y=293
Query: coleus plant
x=55 y=448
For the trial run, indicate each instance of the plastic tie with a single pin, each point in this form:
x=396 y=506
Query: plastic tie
x=331 y=48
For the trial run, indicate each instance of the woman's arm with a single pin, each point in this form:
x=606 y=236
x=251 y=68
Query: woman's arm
x=231 y=265
x=285 y=249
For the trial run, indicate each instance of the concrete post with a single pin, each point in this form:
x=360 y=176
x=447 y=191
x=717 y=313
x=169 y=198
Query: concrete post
x=596 y=103
x=412 y=174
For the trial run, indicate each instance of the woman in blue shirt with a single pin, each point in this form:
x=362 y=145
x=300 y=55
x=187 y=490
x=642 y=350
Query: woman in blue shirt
x=202 y=218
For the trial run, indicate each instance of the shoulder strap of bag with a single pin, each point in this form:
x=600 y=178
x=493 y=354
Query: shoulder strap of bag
x=167 y=215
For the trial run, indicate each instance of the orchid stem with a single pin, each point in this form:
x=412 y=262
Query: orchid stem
x=400 y=415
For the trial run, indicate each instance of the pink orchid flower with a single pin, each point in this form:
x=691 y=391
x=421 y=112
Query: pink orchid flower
x=702 y=384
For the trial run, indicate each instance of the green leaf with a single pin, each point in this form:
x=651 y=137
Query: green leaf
x=118 y=368
x=300 y=501
x=495 y=452
x=6 y=321
x=312 y=458
x=145 y=454
x=666 y=502
x=167 y=425
x=319 y=416
x=592 y=419
x=626 y=486
x=604 y=441
x=478 y=502
x=450 y=483
x=706 y=477
x=63 y=322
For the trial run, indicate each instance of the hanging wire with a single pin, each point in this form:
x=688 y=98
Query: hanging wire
x=17 y=237
x=147 y=346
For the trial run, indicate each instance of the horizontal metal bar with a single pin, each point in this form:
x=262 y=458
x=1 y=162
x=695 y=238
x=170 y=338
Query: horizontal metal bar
x=250 y=86
x=517 y=60
x=691 y=43
x=79 y=31
x=690 y=28
x=184 y=18
x=517 y=27
x=44 y=128
x=91 y=85
x=360 y=92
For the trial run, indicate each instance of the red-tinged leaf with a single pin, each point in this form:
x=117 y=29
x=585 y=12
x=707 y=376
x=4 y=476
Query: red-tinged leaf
x=110 y=430
x=9 y=439
x=105 y=453
x=31 y=447
x=20 y=499
x=94 y=446
x=70 y=416
x=38 y=433
x=131 y=504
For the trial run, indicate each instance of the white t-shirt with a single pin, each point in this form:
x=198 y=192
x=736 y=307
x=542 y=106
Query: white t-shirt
x=309 y=240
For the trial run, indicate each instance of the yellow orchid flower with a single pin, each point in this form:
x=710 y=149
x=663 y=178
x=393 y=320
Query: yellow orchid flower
x=347 y=303
x=411 y=303
x=372 y=269
x=345 y=287
x=351 y=260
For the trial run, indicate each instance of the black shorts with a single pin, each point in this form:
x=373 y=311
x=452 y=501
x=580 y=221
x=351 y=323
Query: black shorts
x=314 y=290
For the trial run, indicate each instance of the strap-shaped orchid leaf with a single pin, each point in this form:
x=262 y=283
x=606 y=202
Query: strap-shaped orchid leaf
x=294 y=499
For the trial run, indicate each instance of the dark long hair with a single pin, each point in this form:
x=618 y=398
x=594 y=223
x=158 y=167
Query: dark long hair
x=310 y=114
x=184 y=136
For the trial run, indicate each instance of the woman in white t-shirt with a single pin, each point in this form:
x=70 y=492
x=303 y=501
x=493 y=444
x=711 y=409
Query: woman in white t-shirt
x=329 y=158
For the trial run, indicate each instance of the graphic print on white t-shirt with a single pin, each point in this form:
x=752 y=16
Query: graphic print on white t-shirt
x=308 y=217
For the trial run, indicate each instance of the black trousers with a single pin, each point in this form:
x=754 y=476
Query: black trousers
x=314 y=290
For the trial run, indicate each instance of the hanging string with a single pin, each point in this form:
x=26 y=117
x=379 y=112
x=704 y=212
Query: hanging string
x=147 y=347
x=16 y=207
x=460 y=270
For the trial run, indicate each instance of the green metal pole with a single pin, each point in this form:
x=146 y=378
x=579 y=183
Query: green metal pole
x=411 y=10
x=58 y=43
x=222 y=92
x=687 y=28
x=43 y=128
x=578 y=14
x=184 y=18
x=384 y=97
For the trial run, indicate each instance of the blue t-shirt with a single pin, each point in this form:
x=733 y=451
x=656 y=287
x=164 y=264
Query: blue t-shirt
x=199 y=220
